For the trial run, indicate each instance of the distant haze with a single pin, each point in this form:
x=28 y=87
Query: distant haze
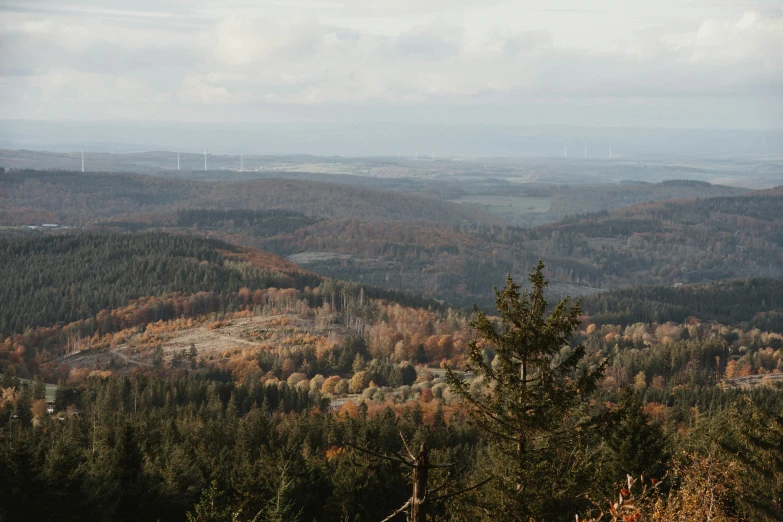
x=388 y=139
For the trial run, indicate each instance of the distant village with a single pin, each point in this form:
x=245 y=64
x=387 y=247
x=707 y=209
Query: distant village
x=53 y=226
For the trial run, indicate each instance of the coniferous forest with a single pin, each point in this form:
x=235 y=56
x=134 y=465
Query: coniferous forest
x=343 y=405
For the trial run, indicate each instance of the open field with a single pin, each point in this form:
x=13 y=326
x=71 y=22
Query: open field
x=514 y=205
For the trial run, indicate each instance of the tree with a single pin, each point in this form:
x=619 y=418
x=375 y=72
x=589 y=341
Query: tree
x=328 y=385
x=211 y=507
x=157 y=357
x=128 y=462
x=359 y=381
x=637 y=446
x=528 y=400
x=192 y=355
x=39 y=389
x=341 y=388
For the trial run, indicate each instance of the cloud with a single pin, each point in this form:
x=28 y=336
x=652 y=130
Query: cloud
x=236 y=53
x=425 y=43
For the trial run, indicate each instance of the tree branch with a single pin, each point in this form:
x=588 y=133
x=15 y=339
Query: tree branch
x=451 y=476
x=403 y=508
x=410 y=454
x=380 y=455
x=460 y=492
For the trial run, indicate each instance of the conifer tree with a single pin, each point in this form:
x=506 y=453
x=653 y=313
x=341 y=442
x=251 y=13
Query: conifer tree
x=638 y=447
x=528 y=400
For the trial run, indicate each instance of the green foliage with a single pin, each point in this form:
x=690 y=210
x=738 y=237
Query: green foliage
x=70 y=277
x=751 y=436
x=530 y=397
x=636 y=445
x=755 y=301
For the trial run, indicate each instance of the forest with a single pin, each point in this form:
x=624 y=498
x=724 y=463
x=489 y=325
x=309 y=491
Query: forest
x=311 y=413
x=404 y=236
x=758 y=302
x=166 y=362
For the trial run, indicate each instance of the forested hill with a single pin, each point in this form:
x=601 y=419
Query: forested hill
x=755 y=301
x=688 y=241
x=65 y=278
x=763 y=205
x=85 y=197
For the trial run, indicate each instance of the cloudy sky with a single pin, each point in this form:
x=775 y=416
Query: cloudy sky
x=667 y=63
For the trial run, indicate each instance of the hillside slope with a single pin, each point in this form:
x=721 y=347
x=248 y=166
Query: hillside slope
x=80 y=198
x=675 y=241
x=65 y=278
x=755 y=301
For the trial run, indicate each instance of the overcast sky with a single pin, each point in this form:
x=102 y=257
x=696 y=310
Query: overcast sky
x=662 y=63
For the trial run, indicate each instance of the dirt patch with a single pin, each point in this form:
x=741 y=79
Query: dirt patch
x=753 y=381
x=212 y=340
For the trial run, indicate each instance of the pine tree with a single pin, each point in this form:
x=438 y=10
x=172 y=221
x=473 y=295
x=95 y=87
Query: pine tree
x=528 y=399
x=637 y=446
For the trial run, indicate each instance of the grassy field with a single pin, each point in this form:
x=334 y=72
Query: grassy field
x=513 y=205
x=51 y=389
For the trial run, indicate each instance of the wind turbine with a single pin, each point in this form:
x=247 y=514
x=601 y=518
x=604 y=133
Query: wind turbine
x=205 y=160
x=565 y=151
x=610 y=152
x=177 y=160
x=241 y=163
x=585 y=151
x=82 y=160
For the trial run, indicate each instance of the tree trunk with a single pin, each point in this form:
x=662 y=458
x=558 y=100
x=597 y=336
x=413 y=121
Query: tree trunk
x=419 y=501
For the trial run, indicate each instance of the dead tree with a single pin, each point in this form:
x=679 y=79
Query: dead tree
x=422 y=498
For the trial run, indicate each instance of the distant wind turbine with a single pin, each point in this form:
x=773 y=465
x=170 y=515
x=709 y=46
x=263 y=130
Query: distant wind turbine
x=565 y=151
x=177 y=160
x=205 y=160
x=82 y=160
x=585 y=151
x=241 y=163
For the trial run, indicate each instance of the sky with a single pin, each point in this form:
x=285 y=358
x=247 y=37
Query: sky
x=711 y=64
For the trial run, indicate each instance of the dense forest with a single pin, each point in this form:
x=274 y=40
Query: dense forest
x=425 y=245
x=259 y=223
x=65 y=278
x=758 y=302
x=673 y=242
x=178 y=373
x=77 y=197
x=318 y=428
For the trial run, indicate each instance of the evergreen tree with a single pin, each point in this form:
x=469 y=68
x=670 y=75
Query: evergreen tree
x=637 y=447
x=528 y=400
